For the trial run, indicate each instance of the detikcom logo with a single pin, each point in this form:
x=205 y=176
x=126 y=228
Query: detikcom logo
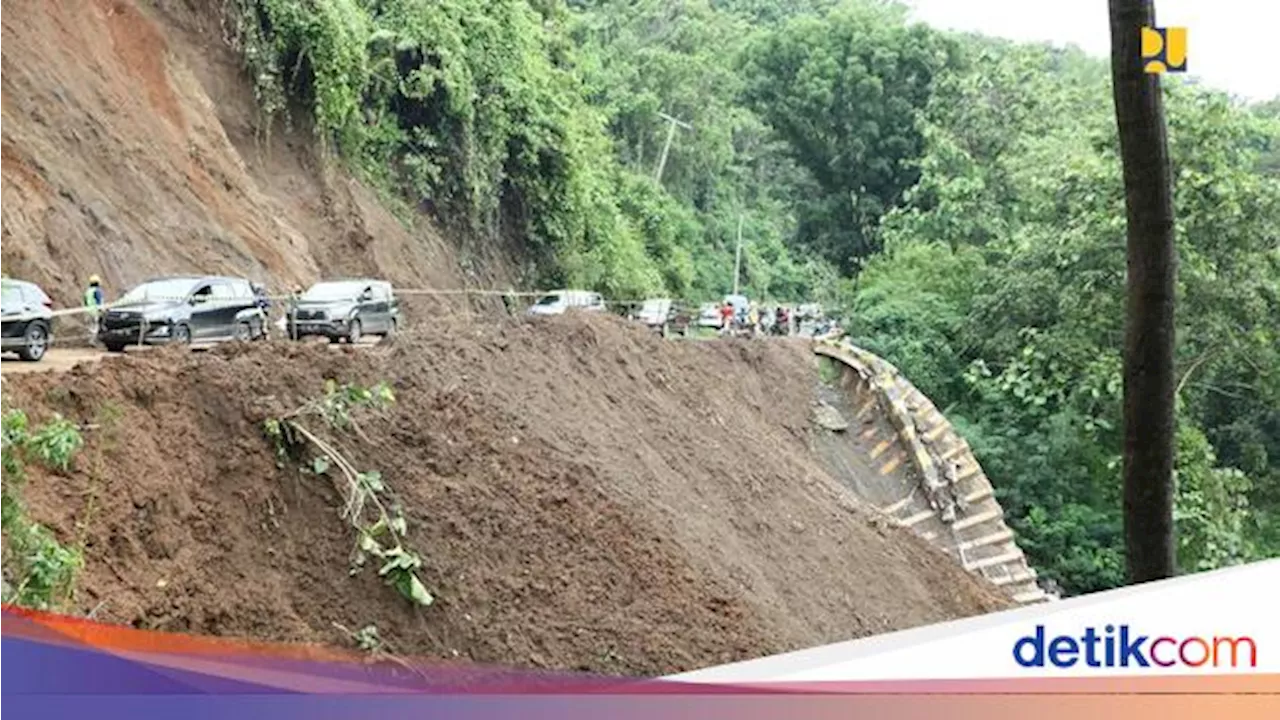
x=1120 y=646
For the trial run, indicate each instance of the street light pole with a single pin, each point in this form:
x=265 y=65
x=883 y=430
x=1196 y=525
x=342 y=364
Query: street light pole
x=737 y=257
x=666 y=148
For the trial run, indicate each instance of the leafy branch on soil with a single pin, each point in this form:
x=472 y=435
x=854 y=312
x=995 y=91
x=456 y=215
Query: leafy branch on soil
x=37 y=571
x=371 y=642
x=379 y=524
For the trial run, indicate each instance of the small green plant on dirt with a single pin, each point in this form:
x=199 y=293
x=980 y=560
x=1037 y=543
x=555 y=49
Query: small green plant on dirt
x=55 y=442
x=377 y=648
x=379 y=523
x=37 y=571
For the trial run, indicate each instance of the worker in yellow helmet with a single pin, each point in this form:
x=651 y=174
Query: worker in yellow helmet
x=94 y=299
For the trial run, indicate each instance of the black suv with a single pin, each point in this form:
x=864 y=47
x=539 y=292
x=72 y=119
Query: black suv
x=27 y=316
x=182 y=310
x=344 y=309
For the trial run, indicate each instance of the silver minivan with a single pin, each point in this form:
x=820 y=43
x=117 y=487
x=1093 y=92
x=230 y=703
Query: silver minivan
x=557 y=302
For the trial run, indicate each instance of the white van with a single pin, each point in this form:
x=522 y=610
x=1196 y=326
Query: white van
x=557 y=302
x=655 y=312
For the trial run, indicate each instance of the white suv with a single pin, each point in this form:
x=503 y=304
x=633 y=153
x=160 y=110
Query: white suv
x=557 y=302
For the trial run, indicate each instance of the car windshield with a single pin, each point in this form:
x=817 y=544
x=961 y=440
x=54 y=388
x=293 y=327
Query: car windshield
x=172 y=289
x=546 y=300
x=330 y=291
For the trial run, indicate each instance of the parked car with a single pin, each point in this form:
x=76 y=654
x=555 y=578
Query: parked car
x=345 y=310
x=182 y=310
x=557 y=302
x=27 y=314
x=709 y=316
x=655 y=312
x=664 y=315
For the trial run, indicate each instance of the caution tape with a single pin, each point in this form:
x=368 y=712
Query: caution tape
x=409 y=292
x=82 y=310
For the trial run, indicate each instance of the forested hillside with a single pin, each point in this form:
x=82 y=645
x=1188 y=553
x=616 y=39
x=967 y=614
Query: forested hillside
x=957 y=199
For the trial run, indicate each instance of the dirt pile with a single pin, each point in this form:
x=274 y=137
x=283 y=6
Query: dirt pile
x=585 y=495
x=131 y=148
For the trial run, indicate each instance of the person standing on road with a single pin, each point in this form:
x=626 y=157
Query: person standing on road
x=295 y=296
x=263 y=302
x=726 y=318
x=94 y=299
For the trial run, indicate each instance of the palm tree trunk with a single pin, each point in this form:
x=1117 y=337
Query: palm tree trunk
x=1149 y=330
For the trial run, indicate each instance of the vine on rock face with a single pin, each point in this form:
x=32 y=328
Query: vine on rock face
x=468 y=108
x=38 y=571
x=379 y=523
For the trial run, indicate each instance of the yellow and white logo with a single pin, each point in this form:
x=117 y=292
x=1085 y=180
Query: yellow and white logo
x=1164 y=50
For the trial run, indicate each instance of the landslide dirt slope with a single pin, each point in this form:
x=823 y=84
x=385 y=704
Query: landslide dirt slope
x=586 y=495
x=131 y=149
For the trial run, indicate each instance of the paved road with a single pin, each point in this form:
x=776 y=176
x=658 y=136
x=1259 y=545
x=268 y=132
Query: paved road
x=63 y=359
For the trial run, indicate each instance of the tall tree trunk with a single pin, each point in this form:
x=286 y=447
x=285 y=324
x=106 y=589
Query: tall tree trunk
x=1149 y=329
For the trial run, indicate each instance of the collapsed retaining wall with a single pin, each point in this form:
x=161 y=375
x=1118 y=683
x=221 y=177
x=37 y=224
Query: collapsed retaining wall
x=949 y=501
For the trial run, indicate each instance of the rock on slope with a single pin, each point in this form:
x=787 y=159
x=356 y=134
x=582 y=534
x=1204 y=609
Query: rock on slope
x=130 y=150
x=585 y=495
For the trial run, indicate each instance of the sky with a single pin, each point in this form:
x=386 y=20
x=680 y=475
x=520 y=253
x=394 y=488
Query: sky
x=1231 y=44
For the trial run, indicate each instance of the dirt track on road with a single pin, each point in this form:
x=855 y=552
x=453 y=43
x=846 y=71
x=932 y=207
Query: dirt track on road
x=63 y=359
x=55 y=360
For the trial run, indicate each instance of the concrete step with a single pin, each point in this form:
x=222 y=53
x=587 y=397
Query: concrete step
x=957 y=450
x=918 y=518
x=981 y=517
x=991 y=539
x=1014 y=578
x=1031 y=596
x=1008 y=557
x=979 y=495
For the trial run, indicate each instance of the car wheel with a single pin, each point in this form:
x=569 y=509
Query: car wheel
x=35 y=342
x=243 y=333
x=114 y=347
x=353 y=333
x=181 y=335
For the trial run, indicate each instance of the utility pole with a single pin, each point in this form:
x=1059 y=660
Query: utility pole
x=666 y=148
x=737 y=256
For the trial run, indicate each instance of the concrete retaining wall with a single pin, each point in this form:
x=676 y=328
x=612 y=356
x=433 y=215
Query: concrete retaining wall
x=951 y=502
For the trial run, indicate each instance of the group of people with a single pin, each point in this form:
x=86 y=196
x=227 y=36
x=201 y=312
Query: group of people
x=756 y=320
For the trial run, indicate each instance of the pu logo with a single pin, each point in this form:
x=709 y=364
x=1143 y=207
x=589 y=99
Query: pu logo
x=1164 y=50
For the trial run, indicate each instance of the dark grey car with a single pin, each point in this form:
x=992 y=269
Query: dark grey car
x=344 y=310
x=27 y=319
x=183 y=310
